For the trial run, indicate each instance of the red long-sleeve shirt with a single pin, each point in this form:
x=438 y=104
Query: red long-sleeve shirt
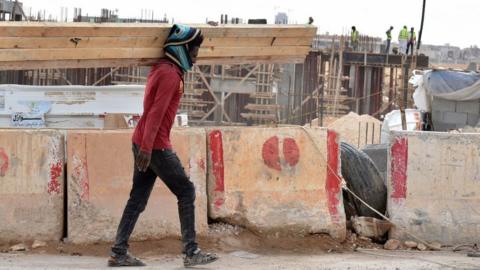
x=162 y=97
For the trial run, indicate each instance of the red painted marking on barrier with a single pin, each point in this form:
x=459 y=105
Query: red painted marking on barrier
x=271 y=154
x=216 y=147
x=201 y=164
x=291 y=151
x=219 y=202
x=80 y=172
x=399 y=153
x=333 y=184
x=3 y=162
x=56 y=170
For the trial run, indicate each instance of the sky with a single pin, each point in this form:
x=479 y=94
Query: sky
x=446 y=21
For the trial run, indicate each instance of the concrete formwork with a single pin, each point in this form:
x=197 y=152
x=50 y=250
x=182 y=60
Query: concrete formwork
x=433 y=187
x=31 y=185
x=276 y=179
x=100 y=169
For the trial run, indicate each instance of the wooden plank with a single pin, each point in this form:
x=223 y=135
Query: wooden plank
x=262 y=107
x=47 y=29
x=253 y=51
x=8 y=55
x=81 y=42
x=115 y=62
x=257 y=41
x=140 y=42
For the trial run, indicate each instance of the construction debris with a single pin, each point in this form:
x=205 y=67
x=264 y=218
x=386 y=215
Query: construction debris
x=410 y=244
x=358 y=130
x=18 y=247
x=392 y=244
x=38 y=244
x=370 y=227
x=421 y=247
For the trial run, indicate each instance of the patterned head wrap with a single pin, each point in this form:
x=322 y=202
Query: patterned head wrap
x=176 y=45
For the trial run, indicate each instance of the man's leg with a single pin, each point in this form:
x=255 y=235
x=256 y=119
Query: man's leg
x=387 y=51
x=169 y=168
x=142 y=187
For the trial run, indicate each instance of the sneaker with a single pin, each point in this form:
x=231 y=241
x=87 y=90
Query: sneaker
x=199 y=258
x=124 y=260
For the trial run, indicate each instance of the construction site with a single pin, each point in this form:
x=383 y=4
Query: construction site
x=306 y=150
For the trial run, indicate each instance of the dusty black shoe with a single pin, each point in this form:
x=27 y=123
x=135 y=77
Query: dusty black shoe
x=124 y=260
x=199 y=258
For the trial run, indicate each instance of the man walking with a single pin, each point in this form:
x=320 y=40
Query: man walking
x=389 y=39
x=412 y=39
x=402 y=40
x=153 y=152
x=354 y=38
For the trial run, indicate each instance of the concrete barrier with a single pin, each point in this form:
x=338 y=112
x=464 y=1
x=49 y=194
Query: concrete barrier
x=100 y=169
x=31 y=185
x=433 y=186
x=276 y=180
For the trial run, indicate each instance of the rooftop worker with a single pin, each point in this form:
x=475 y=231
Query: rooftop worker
x=153 y=152
x=412 y=39
x=354 y=38
x=389 y=39
x=402 y=40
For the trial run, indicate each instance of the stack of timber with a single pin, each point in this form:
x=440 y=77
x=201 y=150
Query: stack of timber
x=33 y=45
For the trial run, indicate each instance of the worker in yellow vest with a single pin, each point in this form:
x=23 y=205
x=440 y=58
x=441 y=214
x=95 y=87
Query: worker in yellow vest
x=354 y=38
x=412 y=39
x=389 y=39
x=403 y=40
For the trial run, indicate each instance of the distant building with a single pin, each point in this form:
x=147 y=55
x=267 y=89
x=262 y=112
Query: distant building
x=112 y=16
x=281 y=18
x=7 y=7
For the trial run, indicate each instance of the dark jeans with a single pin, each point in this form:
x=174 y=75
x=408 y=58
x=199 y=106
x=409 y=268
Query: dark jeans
x=166 y=165
x=410 y=45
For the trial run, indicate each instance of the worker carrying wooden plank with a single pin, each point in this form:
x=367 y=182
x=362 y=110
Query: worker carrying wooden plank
x=153 y=153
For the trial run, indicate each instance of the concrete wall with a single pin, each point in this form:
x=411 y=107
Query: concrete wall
x=100 y=169
x=276 y=180
x=449 y=114
x=433 y=186
x=31 y=185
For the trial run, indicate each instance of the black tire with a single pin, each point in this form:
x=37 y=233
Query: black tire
x=364 y=179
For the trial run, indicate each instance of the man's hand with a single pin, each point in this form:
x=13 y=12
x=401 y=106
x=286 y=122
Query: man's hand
x=143 y=160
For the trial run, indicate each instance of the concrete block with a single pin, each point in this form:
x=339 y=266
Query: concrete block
x=100 y=170
x=433 y=188
x=443 y=105
x=31 y=185
x=455 y=118
x=358 y=130
x=472 y=119
x=437 y=116
x=282 y=180
x=441 y=126
x=470 y=107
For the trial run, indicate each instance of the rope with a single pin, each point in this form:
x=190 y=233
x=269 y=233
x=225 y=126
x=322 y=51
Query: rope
x=344 y=186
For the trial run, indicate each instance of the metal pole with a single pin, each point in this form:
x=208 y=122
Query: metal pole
x=421 y=26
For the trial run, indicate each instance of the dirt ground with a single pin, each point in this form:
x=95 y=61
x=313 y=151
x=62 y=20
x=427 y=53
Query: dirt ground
x=222 y=238
x=241 y=249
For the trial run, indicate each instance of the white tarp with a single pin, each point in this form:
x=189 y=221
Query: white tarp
x=393 y=122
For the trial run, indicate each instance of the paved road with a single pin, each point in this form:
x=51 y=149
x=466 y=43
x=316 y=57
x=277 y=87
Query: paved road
x=367 y=260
